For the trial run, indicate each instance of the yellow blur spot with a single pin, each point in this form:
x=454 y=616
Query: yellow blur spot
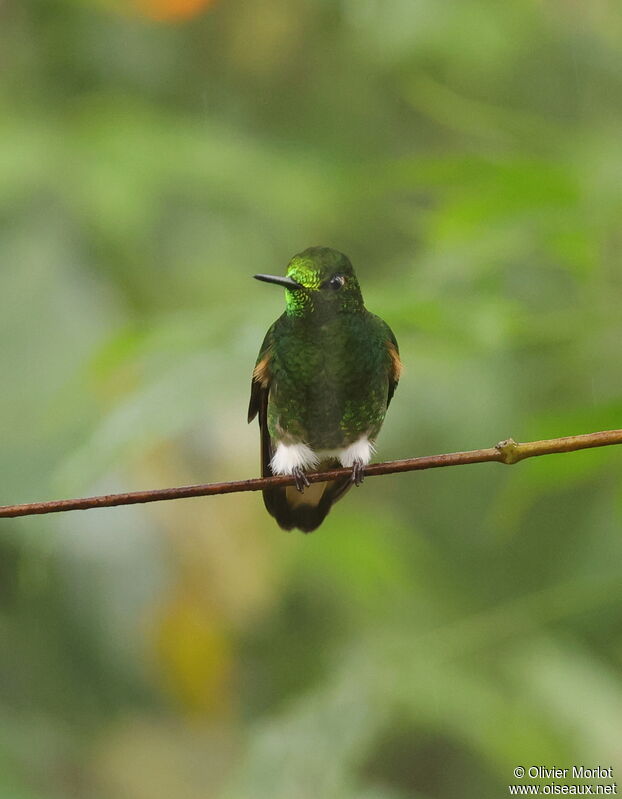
x=194 y=656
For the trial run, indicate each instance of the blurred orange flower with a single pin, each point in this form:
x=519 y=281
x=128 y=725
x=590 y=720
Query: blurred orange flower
x=167 y=10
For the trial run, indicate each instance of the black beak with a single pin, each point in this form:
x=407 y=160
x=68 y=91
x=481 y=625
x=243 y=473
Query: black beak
x=280 y=281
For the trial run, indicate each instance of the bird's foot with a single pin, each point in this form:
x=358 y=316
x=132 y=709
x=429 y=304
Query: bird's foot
x=302 y=481
x=358 y=473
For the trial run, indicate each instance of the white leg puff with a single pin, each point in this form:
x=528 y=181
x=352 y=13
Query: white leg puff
x=360 y=452
x=290 y=458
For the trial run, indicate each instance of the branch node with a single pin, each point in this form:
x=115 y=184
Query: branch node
x=509 y=450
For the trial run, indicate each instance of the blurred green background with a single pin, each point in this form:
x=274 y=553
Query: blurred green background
x=440 y=628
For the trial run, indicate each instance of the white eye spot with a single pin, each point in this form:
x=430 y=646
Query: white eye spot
x=336 y=282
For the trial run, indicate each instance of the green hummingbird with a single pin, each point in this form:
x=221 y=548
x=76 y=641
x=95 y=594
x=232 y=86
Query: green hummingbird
x=322 y=383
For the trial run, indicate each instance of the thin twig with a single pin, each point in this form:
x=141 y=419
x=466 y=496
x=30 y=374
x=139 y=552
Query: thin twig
x=507 y=452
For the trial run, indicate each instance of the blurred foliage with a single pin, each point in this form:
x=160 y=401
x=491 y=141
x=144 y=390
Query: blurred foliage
x=440 y=628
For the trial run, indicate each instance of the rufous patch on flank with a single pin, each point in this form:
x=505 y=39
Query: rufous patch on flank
x=261 y=372
x=396 y=364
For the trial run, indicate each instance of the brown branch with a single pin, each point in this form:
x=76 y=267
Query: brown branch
x=507 y=452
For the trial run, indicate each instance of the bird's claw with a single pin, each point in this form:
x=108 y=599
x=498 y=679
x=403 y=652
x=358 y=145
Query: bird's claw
x=358 y=473
x=302 y=481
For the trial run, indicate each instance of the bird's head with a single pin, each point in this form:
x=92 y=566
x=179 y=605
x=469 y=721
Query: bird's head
x=319 y=279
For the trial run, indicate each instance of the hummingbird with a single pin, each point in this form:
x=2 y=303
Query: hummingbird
x=322 y=383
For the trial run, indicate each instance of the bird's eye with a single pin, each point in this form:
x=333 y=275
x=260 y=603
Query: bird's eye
x=336 y=282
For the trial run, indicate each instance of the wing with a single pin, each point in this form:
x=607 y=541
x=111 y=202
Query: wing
x=260 y=391
x=262 y=376
x=393 y=351
x=396 y=366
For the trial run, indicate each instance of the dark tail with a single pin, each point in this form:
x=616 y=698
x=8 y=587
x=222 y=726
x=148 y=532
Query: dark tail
x=308 y=510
